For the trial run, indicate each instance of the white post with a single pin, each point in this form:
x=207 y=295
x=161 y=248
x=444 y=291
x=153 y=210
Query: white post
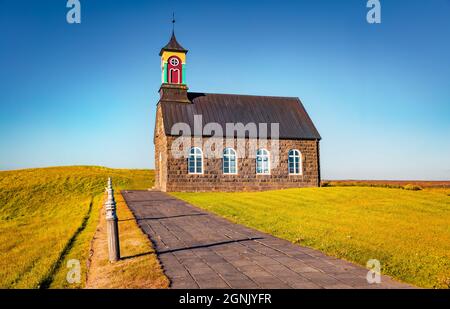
x=111 y=224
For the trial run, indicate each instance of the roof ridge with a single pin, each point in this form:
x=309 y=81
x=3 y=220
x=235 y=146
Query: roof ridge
x=244 y=95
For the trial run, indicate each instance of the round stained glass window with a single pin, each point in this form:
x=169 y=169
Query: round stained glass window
x=174 y=62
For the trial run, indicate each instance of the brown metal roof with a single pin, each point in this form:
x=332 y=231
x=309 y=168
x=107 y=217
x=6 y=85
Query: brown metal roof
x=294 y=122
x=173 y=45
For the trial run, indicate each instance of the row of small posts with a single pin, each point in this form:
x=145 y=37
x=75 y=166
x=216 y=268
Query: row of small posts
x=112 y=228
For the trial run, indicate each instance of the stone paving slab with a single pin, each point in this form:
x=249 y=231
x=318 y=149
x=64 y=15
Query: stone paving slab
x=198 y=249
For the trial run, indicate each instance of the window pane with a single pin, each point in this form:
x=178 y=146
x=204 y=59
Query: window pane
x=229 y=161
x=293 y=164
x=195 y=161
x=233 y=167
x=191 y=164
x=262 y=161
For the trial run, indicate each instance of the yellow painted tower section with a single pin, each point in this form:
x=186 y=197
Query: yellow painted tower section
x=167 y=54
x=165 y=57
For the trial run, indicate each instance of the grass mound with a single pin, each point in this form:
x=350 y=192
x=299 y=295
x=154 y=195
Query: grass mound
x=48 y=216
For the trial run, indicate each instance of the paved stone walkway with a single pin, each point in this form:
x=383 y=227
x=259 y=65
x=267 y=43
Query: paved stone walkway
x=200 y=250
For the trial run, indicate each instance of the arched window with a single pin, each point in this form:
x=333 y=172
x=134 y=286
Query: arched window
x=229 y=161
x=262 y=162
x=295 y=162
x=195 y=161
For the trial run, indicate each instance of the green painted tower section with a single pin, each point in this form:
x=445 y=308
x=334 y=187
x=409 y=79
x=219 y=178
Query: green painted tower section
x=165 y=72
x=183 y=77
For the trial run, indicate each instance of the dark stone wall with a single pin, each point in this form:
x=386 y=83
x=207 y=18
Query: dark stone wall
x=213 y=179
x=161 y=153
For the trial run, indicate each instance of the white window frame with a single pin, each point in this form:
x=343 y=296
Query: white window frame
x=296 y=154
x=235 y=160
x=196 y=157
x=268 y=161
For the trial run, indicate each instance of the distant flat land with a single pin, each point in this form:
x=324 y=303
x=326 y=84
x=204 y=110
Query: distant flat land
x=422 y=183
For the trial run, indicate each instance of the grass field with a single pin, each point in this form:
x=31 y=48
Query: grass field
x=48 y=216
x=407 y=231
x=138 y=268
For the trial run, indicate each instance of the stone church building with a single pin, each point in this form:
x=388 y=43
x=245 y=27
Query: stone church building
x=296 y=163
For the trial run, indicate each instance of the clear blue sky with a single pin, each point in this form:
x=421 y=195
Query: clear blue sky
x=86 y=94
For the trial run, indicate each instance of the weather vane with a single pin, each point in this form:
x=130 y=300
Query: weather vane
x=173 y=21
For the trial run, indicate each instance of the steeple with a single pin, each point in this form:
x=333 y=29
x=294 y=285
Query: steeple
x=173 y=60
x=173 y=46
x=173 y=70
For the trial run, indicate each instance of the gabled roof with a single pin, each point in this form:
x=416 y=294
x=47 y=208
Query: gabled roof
x=173 y=45
x=294 y=122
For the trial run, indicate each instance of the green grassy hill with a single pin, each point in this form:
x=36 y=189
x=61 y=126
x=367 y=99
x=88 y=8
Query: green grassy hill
x=48 y=216
x=407 y=231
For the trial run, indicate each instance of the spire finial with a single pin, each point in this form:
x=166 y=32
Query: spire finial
x=173 y=22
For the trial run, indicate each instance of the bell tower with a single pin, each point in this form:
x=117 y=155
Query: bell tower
x=173 y=62
x=173 y=71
